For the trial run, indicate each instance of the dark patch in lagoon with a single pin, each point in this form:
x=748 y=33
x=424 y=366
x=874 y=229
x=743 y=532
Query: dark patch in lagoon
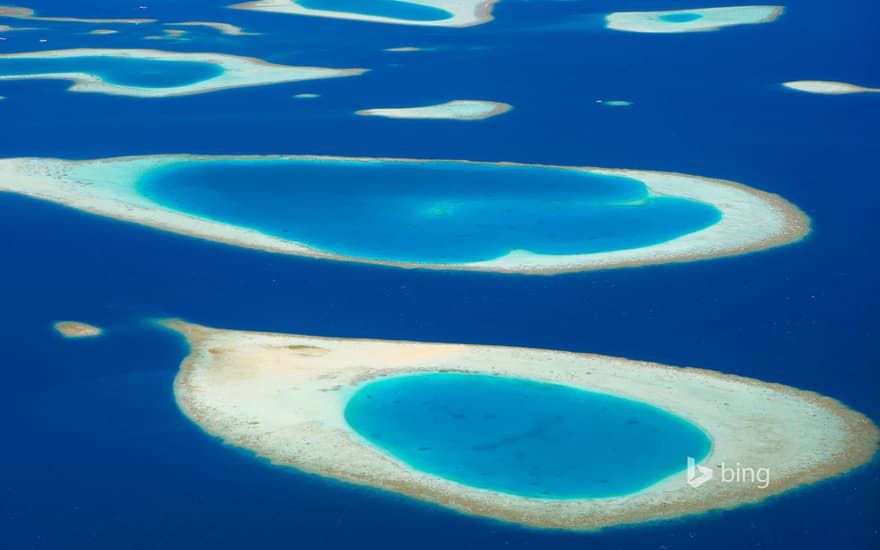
x=680 y=17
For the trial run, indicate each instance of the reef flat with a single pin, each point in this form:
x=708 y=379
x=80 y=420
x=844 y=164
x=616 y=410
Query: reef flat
x=744 y=219
x=459 y=109
x=231 y=71
x=692 y=20
x=827 y=87
x=28 y=14
x=223 y=28
x=283 y=398
x=432 y=13
x=76 y=329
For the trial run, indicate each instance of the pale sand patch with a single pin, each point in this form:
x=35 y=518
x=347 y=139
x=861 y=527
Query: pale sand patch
x=710 y=19
x=403 y=49
x=307 y=96
x=463 y=13
x=168 y=34
x=17 y=12
x=828 y=87
x=751 y=220
x=224 y=28
x=459 y=109
x=282 y=397
x=103 y=31
x=76 y=329
x=237 y=72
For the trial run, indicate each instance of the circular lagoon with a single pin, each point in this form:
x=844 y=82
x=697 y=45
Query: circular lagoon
x=523 y=437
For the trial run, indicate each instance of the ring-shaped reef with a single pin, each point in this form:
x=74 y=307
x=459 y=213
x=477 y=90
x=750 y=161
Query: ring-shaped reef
x=463 y=215
x=154 y=73
x=433 y=13
x=692 y=20
x=542 y=438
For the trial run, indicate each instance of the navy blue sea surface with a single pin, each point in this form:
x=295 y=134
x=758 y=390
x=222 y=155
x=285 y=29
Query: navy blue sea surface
x=152 y=73
x=427 y=212
x=96 y=454
x=523 y=437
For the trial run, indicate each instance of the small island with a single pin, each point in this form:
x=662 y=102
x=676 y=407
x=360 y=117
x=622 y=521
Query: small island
x=827 y=87
x=76 y=329
x=459 y=109
x=330 y=407
x=116 y=71
x=430 y=13
x=692 y=20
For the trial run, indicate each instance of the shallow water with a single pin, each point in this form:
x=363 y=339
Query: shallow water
x=151 y=73
x=428 y=212
x=523 y=437
x=384 y=8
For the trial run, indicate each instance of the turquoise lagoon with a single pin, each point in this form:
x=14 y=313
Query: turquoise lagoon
x=426 y=212
x=522 y=437
x=153 y=73
x=379 y=8
x=680 y=17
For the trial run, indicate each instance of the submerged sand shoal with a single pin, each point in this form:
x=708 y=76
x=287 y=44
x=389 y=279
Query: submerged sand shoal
x=458 y=109
x=282 y=397
x=462 y=13
x=751 y=220
x=828 y=87
x=28 y=14
x=237 y=72
x=705 y=19
x=76 y=329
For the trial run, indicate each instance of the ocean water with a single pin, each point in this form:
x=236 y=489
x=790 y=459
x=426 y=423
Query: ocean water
x=523 y=437
x=96 y=454
x=427 y=212
x=151 y=73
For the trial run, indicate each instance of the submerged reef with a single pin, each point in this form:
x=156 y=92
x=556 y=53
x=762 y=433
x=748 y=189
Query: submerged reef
x=432 y=13
x=726 y=218
x=28 y=14
x=693 y=20
x=76 y=329
x=283 y=397
x=229 y=71
x=459 y=109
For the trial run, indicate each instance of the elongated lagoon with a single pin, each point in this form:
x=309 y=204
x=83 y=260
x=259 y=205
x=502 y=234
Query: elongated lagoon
x=427 y=211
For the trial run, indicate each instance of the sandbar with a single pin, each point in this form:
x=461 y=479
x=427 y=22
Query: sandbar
x=76 y=329
x=28 y=14
x=103 y=31
x=463 y=13
x=237 y=72
x=282 y=396
x=751 y=220
x=828 y=87
x=459 y=109
x=224 y=28
x=168 y=34
x=693 y=20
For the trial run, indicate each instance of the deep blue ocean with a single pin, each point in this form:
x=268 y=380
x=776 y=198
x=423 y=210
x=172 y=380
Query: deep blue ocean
x=95 y=451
